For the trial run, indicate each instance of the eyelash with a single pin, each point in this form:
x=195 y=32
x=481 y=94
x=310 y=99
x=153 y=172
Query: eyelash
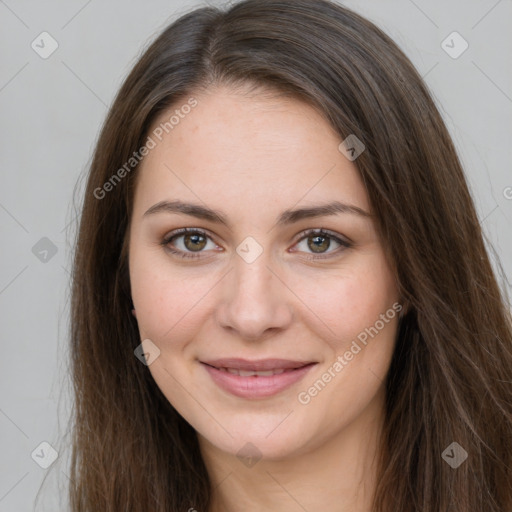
x=305 y=234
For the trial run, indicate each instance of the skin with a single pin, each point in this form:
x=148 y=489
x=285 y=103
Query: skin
x=252 y=156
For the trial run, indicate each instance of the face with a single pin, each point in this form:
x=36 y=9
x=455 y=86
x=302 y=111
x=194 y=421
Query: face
x=252 y=280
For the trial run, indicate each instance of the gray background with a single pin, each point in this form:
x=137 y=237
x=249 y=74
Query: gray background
x=52 y=110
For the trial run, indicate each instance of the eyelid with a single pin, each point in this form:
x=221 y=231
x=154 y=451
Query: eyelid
x=322 y=231
x=344 y=242
x=183 y=231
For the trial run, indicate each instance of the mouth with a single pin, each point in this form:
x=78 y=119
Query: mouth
x=256 y=379
x=250 y=373
x=259 y=365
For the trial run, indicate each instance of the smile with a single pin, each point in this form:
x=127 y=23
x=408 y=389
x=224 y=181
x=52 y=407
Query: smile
x=257 y=383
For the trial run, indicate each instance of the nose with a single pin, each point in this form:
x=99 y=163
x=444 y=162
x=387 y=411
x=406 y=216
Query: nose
x=255 y=301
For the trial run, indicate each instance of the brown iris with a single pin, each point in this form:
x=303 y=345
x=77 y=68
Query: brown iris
x=197 y=242
x=314 y=246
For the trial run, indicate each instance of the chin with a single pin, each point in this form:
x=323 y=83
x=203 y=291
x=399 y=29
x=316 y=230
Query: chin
x=269 y=440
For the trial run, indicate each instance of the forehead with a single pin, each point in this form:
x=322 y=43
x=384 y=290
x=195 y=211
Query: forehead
x=246 y=152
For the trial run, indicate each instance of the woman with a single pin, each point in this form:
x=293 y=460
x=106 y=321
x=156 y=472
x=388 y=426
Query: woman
x=281 y=295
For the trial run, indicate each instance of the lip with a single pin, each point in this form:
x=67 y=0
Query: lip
x=256 y=365
x=256 y=386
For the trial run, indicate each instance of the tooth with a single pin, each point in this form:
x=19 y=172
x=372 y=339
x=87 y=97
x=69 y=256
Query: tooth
x=261 y=373
x=245 y=373
x=251 y=373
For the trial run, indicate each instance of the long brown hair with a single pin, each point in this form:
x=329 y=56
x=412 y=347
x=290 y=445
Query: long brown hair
x=451 y=375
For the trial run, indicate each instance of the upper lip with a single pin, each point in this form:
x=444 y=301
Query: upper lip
x=256 y=365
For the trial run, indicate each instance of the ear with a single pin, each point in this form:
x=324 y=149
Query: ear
x=134 y=313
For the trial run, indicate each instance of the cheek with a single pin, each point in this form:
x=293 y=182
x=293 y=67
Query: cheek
x=345 y=303
x=361 y=346
x=167 y=303
x=365 y=319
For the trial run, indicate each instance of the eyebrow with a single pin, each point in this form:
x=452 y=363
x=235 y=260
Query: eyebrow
x=287 y=217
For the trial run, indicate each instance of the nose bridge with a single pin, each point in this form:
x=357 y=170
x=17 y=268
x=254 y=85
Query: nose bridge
x=253 y=278
x=254 y=298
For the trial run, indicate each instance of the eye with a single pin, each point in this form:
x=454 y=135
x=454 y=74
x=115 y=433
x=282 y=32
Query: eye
x=319 y=241
x=194 y=240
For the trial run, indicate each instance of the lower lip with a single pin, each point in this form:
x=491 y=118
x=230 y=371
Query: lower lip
x=256 y=386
